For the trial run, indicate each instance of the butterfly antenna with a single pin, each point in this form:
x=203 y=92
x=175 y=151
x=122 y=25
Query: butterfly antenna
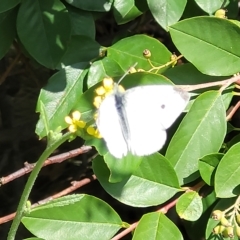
x=133 y=66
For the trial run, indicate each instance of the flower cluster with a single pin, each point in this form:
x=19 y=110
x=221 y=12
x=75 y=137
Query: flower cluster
x=74 y=122
x=106 y=89
x=228 y=223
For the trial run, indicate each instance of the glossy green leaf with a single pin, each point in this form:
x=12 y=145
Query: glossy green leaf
x=7 y=5
x=166 y=12
x=221 y=205
x=201 y=132
x=82 y=22
x=198 y=40
x=87 y=50
x=59 y=96
x=125 y=11
x=196 y=229
x=210 y=6
x=7 y=30
x=227 y=177
x=103 y=68
x=122 y=169
x=154 y=182
x=128 y=51
x=188 y=74
x=156 y=226
x=34 y=238
x=189 y=206
x=50 y=23
x=207 y=166
x=73 y=216
x=92 y=5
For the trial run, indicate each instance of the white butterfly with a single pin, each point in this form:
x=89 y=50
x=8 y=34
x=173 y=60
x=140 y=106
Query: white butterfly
x=136 y=120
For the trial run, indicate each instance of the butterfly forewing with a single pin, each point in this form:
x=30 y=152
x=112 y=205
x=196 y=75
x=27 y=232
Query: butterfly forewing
x=109 y=127
x=147 y=112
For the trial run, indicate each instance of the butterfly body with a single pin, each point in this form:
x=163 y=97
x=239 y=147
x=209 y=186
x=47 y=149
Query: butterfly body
x=136 y=120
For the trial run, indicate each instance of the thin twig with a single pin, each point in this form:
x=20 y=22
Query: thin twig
x=8 y=70
x=75 y=185
x=163 y=210
x=224 y=84
x=52 y=160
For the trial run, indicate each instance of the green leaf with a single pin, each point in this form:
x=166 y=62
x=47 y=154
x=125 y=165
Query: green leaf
x=7 y=30
x=129 y=50
x=59 y=96
x=122 y=169
x=103 y=68
x=44 y=29
x=7 y=5
x=154 y=182
x=210 y=6
x=201 y=132
x=188 y=74
x=166 y=12
x=125 y=11
x=92 y=5
x=189 y=206
x=221 y=205
x=161 y=228
x=198 y=40
x=227 y=177
x=207 y=166
x=196 y=229
x=73 y=216
x=33 y=238
x=87 y=50
x=82 y=22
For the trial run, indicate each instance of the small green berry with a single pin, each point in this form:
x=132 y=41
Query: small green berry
x=225 y=222
x=146 y=53
x=220 y=13
x=230 y=232
x=217 y=215
x=218 y=229
x=238 y=231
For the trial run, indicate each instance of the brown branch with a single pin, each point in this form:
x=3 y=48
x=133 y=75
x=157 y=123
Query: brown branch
x=55 y=159
x=224 y=84
x=232 y=111
x=8 y=70
x=75 y=185
x=164 y=210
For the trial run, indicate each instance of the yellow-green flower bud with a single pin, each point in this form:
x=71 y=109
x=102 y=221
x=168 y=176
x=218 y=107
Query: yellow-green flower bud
x=217 y=215
x=174 y=59
x=146 y=53
x=225 y=222
x=230 y=232
x=238 y=231
x=225 y=233
x=238 y=218
x=220 y=13
x=218 y=229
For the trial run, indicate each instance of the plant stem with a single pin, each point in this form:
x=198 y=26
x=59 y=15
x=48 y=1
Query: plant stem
x=30 y=183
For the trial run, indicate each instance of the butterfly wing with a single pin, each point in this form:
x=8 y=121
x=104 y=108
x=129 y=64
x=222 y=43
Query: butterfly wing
x=109 y=127
x=150 y=110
